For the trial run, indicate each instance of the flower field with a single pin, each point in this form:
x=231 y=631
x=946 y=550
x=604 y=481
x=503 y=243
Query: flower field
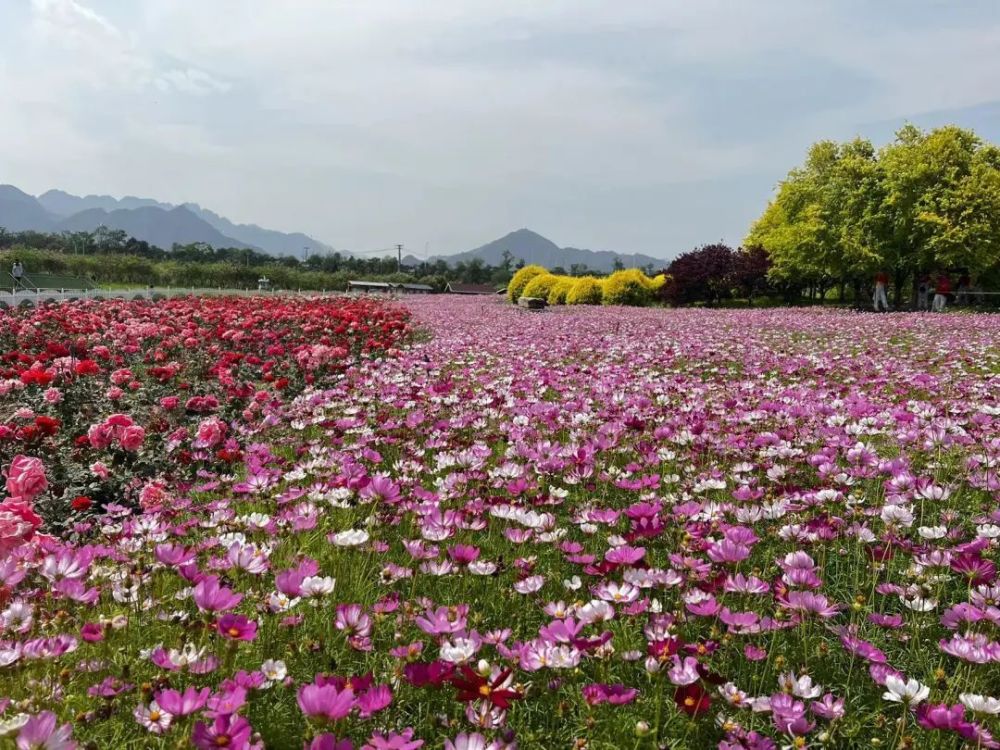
x=291 y=523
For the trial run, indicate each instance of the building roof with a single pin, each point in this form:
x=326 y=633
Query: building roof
x=416 y=287
x=471 y=288
x=373 y=284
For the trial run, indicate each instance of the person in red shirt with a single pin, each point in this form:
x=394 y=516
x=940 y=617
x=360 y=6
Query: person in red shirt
x=881 y=283
x=941 y=292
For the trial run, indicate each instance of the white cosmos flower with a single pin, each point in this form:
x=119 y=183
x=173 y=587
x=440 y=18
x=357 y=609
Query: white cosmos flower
x=988 y=530
x=350 y=538
x=482 y=568
x=274 y=670
x=919 y=603
x=980 y=704
x=932 y=532
x=908 y=692
x=318 y=585
x=595 y=611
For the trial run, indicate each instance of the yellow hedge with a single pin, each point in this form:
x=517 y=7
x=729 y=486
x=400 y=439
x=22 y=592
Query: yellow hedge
x=515 y=288
x=557 y=296
x=585 y=291
x=540 y=286
x=630 y=287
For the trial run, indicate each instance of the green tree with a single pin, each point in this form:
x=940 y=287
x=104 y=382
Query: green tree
x=927 y=200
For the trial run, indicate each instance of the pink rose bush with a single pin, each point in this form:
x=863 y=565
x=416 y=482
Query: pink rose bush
x=590 y=527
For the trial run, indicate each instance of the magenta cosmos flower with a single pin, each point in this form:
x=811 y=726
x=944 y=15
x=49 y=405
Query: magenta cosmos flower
x=325 y=701
x=237 y=627
x=212 y=597
x=230 y=731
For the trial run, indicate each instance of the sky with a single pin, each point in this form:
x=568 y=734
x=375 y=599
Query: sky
x=648 y=126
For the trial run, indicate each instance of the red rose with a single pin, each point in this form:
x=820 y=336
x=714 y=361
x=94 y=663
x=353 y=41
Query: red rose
x=81 y=503
x=87 y=367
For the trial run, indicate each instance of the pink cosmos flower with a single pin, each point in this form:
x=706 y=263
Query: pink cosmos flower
x=325 y=701
x=237 y=627
x=625 y=555
x=806 y=603
x=329 y=742
x=393 y=741
x=443 y=620
x=182 y=704
x=684 y=672
x=230 y=731
x=41 y=732
x=210 y=596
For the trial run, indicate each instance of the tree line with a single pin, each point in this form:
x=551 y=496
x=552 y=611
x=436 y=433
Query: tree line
x=926 y=204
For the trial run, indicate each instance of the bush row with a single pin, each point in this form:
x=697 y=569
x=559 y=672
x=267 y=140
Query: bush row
x=629 y=287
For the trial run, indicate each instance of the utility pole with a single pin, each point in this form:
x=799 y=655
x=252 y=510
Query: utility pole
x=399 y=258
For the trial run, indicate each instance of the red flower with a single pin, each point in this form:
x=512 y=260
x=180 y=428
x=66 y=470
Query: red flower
x=87 y=367
x=36 y=377
x=692 y=699
x=81 y=503
x=47 y=425
x=473 y=686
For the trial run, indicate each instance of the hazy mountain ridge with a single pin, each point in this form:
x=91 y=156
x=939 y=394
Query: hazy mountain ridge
x=531 y=247
x=160 y=224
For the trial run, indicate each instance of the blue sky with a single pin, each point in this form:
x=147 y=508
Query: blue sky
x=647 y=126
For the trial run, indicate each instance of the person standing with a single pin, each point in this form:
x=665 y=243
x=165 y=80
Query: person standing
x=17 y=271
x=964 y=285
x=881 y=282
x=923 y=293
x=941 y=292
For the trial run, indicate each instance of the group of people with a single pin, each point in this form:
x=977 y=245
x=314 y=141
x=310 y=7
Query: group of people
x=932 y=294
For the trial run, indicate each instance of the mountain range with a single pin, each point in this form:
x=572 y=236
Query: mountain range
x=160 y=224
x=164 y=224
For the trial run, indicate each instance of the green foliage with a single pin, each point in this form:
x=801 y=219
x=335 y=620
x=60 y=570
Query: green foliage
x=928 y=200
x=585 y=291
x=521 y=279
x=629 y=287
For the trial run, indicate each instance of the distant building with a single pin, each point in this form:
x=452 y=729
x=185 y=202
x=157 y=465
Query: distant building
x=369 y=286
x=387 y=287
x=414 y=288
x=454 y=288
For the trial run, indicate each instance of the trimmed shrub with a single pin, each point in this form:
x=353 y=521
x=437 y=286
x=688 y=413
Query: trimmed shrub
x=560 y=289
x=540 y=286
x=629 y=287
x=520 y=280
x=585 y=291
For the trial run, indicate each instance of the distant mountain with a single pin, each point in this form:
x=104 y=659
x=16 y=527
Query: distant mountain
x=268 y=240
x=160 y=224
x=154 y=225
x=532 y=247
x=64 y=204
x=20 y=212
